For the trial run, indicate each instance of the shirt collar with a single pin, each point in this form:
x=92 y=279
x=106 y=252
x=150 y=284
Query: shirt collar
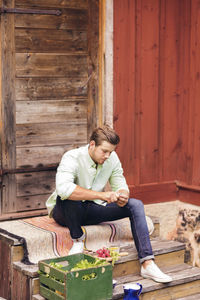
x=90 y=161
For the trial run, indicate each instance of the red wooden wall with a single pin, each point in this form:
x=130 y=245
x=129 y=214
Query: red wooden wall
x=157 y=89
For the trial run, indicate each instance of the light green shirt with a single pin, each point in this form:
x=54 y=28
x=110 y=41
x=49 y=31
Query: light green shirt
x=78 y=168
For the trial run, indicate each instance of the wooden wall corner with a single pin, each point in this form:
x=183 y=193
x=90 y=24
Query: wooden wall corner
x=157 y=192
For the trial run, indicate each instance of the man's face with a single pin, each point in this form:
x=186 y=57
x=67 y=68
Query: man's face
x=100 y=153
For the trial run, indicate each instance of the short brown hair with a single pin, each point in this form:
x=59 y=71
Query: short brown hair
x=104 y=133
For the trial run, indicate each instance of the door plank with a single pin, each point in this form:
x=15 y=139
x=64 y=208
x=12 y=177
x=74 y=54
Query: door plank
x=50 y=65
x=79 y=4
x=51 y=88
x=69 y=19
x=50 y=41
x=54 y=134
x=50 y=111
x=35 y=183
x=32 y=157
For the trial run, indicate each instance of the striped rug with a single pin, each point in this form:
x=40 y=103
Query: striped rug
x=43 y=238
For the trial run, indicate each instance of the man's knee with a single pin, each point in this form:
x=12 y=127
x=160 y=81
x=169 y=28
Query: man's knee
x=135 y=203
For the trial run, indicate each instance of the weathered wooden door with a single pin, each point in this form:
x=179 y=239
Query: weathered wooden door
x=49 y=96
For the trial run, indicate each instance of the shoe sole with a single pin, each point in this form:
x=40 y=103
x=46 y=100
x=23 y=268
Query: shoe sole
x=156 y=279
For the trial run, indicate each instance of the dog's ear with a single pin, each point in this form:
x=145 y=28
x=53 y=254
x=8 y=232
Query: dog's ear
x=198 y=218
x=197 y=237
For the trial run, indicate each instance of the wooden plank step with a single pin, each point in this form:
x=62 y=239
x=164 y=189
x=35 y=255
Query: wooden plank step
x=192 y=297
x=186 y=282
x=166 y=253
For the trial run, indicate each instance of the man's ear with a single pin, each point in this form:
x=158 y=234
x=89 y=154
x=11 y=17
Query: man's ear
x=92 y=144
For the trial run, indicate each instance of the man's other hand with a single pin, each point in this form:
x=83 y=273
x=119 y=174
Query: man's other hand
x=122 y=199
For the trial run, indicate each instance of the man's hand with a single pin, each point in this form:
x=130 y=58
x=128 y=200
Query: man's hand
x=122 y=199
x=110 y=197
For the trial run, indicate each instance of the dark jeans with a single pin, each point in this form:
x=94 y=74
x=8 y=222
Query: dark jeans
x=74 y=214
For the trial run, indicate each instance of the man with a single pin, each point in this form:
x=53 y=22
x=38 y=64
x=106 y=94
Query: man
x=80 y=198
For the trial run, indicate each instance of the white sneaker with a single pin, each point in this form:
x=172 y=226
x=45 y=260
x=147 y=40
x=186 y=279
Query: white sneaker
x=153 y=272
x=77 y=247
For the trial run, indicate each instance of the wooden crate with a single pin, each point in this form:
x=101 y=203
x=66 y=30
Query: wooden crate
x=59 y=284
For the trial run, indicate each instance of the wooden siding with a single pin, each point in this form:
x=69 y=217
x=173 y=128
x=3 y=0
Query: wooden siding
x=156 y=89
x=20 y=286
x=48 y=105
x=6 y=268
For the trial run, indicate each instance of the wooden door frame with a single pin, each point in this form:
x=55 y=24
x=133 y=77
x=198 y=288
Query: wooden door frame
x=7 y=108
x=105 y=112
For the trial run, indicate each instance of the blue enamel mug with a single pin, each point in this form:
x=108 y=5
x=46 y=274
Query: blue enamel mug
x=132 y=291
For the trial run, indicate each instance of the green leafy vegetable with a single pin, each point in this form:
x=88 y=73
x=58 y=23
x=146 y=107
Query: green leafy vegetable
x=89 y=276
x=85 y=264
x=56 y=265
x=114 y=255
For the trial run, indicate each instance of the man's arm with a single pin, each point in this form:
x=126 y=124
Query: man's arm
x=84 y=194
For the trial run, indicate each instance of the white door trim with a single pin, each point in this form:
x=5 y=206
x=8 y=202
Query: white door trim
x=108 y=65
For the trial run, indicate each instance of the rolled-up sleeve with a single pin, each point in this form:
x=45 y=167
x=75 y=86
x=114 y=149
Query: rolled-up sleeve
x=65 y=176
x=117 y=179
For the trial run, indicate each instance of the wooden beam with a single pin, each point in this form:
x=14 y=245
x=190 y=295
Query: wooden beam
x=188 y=193
x=6 y=270
x=101 y=57
x=7 y=103
x=7 y=78
x=24 y=214
x=185 y=186
x=189 y=196
x=93 y=61
x=108 y=65
x=155 y=192
x=159 y=192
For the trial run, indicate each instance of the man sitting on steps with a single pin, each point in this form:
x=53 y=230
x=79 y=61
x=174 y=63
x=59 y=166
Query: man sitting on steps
x=80 y=199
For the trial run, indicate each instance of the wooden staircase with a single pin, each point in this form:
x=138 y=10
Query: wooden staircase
x=185 y=282
x=169 y=256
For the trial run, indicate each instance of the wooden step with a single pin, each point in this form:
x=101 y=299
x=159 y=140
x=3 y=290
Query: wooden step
x=166 y=253
x=186 y=282
x=192 y=297
x=25 y=279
